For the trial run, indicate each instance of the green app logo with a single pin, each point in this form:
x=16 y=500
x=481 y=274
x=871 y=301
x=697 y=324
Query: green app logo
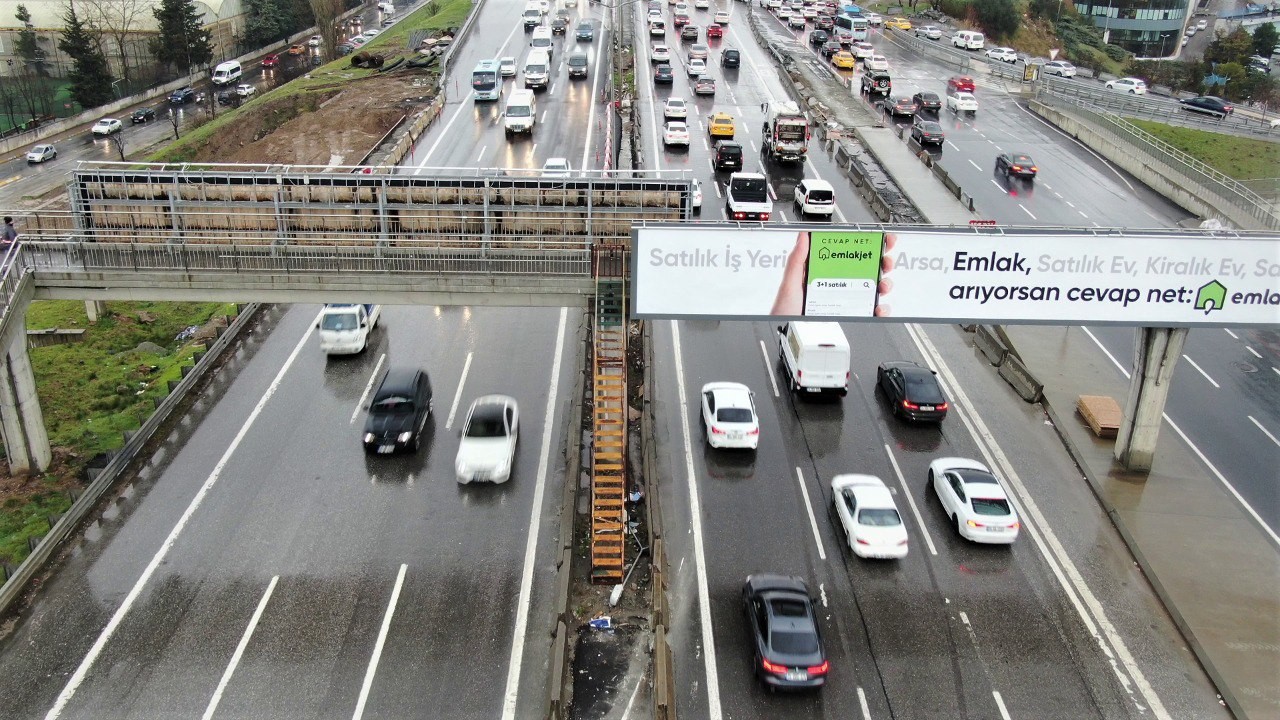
x=845 y=255
x=1211 y=296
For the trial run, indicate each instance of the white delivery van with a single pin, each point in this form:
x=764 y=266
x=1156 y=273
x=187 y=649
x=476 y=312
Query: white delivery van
x=541 y=40
x=386 y=8
x=532 y=15
x=814 y=356
x=226 y=73
x=537 y=70
x=520 y=114
x=968 y=40
x=344 y=329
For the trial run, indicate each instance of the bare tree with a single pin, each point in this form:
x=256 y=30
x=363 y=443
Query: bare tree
x=326 y=12
x=120 y=20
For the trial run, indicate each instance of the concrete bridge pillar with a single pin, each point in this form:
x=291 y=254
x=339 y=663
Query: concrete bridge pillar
x=26 y=442
x=1155 y=357
x=95 y=309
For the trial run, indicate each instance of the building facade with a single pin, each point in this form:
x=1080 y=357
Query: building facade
x=1146 y=28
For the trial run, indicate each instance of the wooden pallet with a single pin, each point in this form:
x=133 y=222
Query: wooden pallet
x=1102 y=413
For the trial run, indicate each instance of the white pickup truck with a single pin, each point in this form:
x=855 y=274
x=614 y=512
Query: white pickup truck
x=345 y=329
x=747 y=197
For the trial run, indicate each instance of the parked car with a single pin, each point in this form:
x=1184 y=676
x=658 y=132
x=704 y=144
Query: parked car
x=41 y=153
x=1019 y=164
x=1208 y=104
x=142 y=115
x=107 y=126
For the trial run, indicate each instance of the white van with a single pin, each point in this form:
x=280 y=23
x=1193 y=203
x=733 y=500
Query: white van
x=520 y=114
x=387 y=8
x=542 y=40
x=537 y=69
x=814 y=356
x=226 y=73
x=815 y=197
x=968 y=40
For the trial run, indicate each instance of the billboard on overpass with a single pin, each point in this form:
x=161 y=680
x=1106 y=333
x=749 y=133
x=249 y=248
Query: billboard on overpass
x=920 y=274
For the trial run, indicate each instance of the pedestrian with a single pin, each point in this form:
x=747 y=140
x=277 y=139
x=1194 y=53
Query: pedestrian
x=8 y=235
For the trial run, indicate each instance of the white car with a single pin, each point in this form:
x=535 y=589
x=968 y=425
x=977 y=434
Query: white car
x=862 y=50
x=660 y=54
x=675 y=133
x=697 y=67
x=701 y=4
x=372 y=32
x=784 y=13
x=878 y=62
x=675 y=108
x=1061 y=68
x=810 y=13
x=556 y=167
x=681 y=9
x=872 y=525
x=1131 y=85
x=796 y=21
x=41 y=153
x=245 y=90
x=974 y=500
x=696 y=200
x=314 y=41
x=772 y=4
x=729 y=414
x=107 y=126
x=874 y=19
x=488 y=445
x=1003 y=54
x=1202 y=25
x=507 y=67
x=959 y=102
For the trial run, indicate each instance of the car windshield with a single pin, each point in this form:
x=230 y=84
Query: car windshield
x=734 y=415
x=820 y=196
x=793 y=643
x=879 y=517
x=486 y=422
x=991 y=506
x=393 y=405
x=1023 y=160
x=519 y=111
x=339 y=321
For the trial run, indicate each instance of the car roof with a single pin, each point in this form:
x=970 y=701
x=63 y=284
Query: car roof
x=980 y=483
x=729 y=394
x=397 y=382
x=774 y=582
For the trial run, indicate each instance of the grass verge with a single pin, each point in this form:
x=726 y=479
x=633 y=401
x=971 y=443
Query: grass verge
x=1237 y=157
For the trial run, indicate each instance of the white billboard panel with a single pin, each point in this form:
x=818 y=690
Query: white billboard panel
x=943 y=276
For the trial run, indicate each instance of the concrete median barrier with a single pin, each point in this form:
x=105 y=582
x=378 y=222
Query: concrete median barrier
x=990 y=345
x=1021 y=379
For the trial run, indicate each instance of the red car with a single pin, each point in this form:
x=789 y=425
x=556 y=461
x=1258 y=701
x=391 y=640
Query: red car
x=714 y=31
x=961 y=83
x=271 y=61
x=680 y=20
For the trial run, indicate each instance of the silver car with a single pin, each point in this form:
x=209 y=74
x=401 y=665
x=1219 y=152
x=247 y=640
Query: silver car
x=40 y=153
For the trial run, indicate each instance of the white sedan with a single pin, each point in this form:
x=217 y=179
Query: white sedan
x=702 y=4
x=878 y=62
x=696 y=200
x=862 y=50
x=974 y=500
x=675 y=108
x=556 y=167
x=729 y=414
x=1003 y=54
x=696 y=67
x=675 y=133
x=796 y=20
x=959 y=102
x=874 y=19
x=489 y=435
x=41 y=153
x=245 y=90
x=107 y=126
x=871 y=522
x=1131 y=85
x=507 y=67
x=660 y=54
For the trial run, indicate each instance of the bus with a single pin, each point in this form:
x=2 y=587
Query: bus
x=485 y=81
x=850 y=29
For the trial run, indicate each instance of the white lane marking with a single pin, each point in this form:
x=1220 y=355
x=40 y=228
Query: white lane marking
x=1002 y=189
x=956 y=148
x=1082 y=214
x=1233 y=335
x=371 y=671
x=1046 y=541
x=1070 y=204
x=457 y=396
x=862 y=704
x=524 y=605
x=716 y=186
x=1266 y=432
x=769 y=369
x=368 y=388
x=699 y=554
x=928 y=539
x=239 y=653
x=813 y=522
x=754 y=147
x=550 y=91
x=1212 y=468
x=481 y=153
x=975 y=165
x=113 y=624
x=1255 y=352
x=782 y=216
x=772 y=195
x=1276 y=369
x=626 y=712
x=1025 y=210
x=964 y=617
x=1004 y=713
x=544 y=117
x=1202 y=372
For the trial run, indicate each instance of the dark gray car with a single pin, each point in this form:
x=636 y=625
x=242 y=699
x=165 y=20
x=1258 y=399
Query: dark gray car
x=399 y=412
x=784 y=631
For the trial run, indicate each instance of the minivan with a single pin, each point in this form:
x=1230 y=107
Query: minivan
x=577 y=64
x=814 y=356
x=399 y=411
x=968 y=40
x=815 y=197
x=728 y=157
x=519 y=116
x=226 y=73
x=542 y=40
x=537 y=69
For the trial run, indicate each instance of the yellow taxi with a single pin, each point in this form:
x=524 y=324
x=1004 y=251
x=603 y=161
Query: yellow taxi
x=720 y=126
x=899 y=23
x=844 y=60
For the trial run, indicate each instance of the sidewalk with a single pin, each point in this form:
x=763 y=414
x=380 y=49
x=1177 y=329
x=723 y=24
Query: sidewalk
x=1213 y=566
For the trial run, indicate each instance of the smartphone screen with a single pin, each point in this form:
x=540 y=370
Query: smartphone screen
x=843 y=273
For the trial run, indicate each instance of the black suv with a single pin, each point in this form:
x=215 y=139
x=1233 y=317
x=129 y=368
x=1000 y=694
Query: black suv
x=730 y=58
x=182 y=95
x=728 y=157
x=876 y=82
x=662 y=75
x=560 y=25
x=399 y=412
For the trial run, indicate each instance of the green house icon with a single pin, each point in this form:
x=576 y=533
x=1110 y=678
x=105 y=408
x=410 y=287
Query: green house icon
x=1211 y=296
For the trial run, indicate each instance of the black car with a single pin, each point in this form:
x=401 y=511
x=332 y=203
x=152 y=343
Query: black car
x=1019 y=164
x=142 y=115
x=927 y=101
x=182 y=95
x=228 y=97
x=585 y=31
x=927 y=132
x=728 y=157
x=829 y=48
x=730 y=58
x=559 y=26
x=1209 y=104
x=662 y=75
x=784 y=632
x=899 y=106
x=818 y=38
x=912 y=391
x=876 y=82
x=399 y=412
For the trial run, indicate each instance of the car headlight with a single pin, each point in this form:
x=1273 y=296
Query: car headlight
x=404 y=436
x=368 y=437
